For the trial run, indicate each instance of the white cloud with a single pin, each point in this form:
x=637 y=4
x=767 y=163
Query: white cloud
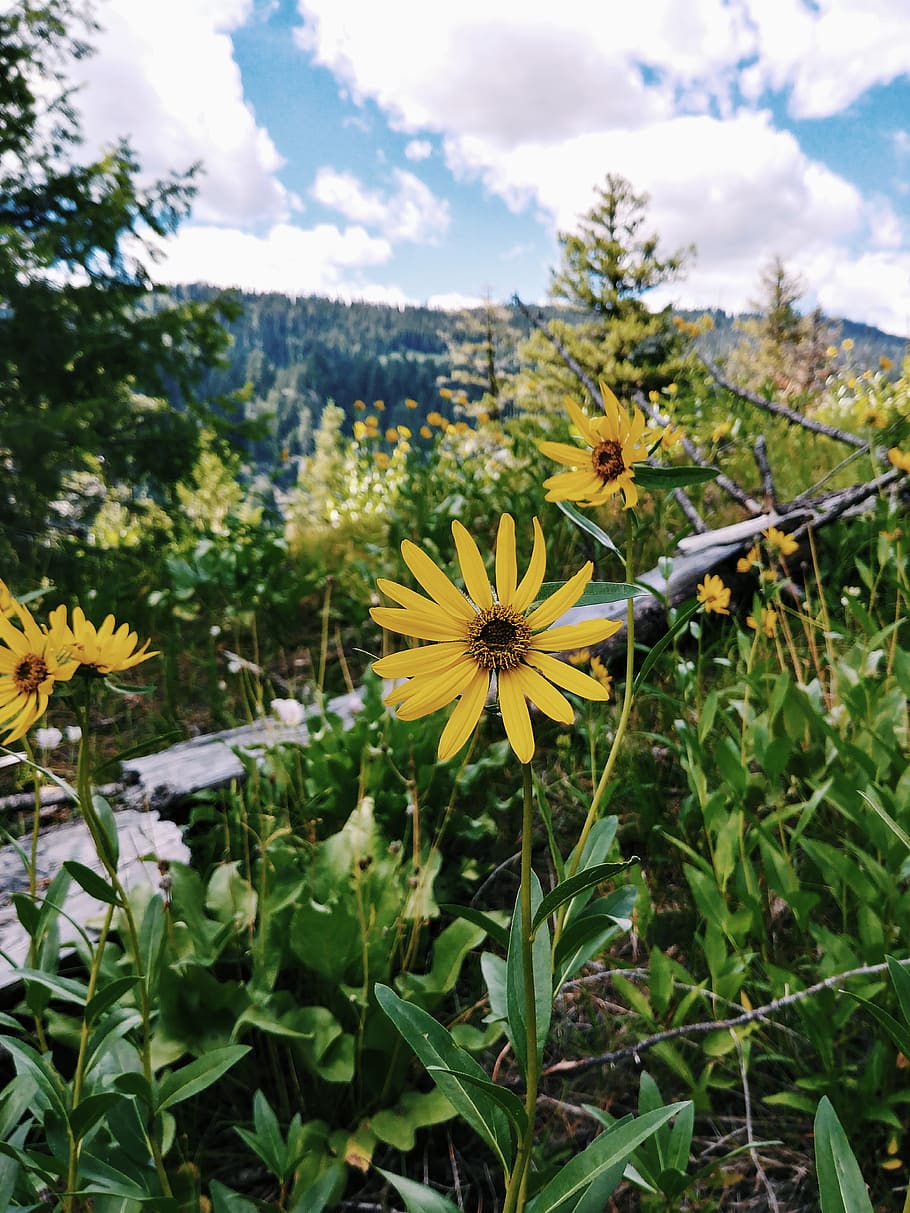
x=164 y=75
x=875 y=286
x=418 y=149
x=322 y=260
x=409 y=212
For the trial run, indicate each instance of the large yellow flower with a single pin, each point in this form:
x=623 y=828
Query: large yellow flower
x=615 y=442
x=99 y=651
x=30 y=666
x=485 y=633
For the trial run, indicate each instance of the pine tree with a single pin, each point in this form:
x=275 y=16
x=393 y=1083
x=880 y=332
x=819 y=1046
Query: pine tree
x=608 y=266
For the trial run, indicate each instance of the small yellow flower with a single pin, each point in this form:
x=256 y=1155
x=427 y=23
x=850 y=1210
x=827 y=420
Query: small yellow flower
x=720 y=431
x=481 y=635
x=832 y=351
x=483 y=418
x=410 y=403
x=391 y=435
x=404 y=432
x=579 y=657
x=847 y=344
x=885 y=362
x=713 y=595
x=381 y=460
x=671 y=435
x=360 y=405
x=654 y=397
x=602 y=674
x=372 y=420
x=379 y=406
x=768 y=622
x=672 y=389
x=435 y=418
x=99 y=651
x=32 y=662
x=746 y=563
x=900 y=459
x=615 y=442
x=875 y=417
x=445 y=393
x=784 y=545
x=767 y=576
x=425 y=432
x=360 y=430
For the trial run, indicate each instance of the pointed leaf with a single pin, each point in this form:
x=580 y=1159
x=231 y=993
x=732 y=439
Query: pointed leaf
x=507 y=1100
x=900 y=979
x=840 y=1183
x=596 y=592
x=190 y=1079
x=110 y=839
x=648 y=477
x=91 y=1110
x=516 y=1009
x=418 y=1198
x=93 y=883
x=587 y=524
x=568 y=889
x=107 y=996
x=681 y=621
x=898 y=1032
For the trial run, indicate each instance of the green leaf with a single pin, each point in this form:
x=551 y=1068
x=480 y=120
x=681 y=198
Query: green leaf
x=516 y=1009
x=40 y=1070
x=840 y=1183
x=568 y=1186
x=596 y=592
x=26 y=911
x=107 y=996
x=64 y=988
x=648 y=477
x=418 y=1198
x=681 y=621
x=91 y=1110
x=414 y=1110
x=435 y=1047
x=497 y=931
x=109 y=839
x=567 y=889
x=900 y=979
x=93 y=883
x=591 y=527
x=151 y=941
x=507 y=1100
x=199 y=1074
x=226 y=1200
x=898 y=1032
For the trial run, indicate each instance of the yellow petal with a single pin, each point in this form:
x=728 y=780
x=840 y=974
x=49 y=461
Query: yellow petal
x=420 y=626
x=473 y=569
x=433 y=692
x=529 y=586
x=544 y=695
x=562 y=452
x=567 y=677
x=581 y=421
x=515 y=716
x=406 y=597
x=573 y=486
x=575 y=635
x=435 y=582
x=432 y=658
x=467 y=712
x=506 y=562
x=559 y=602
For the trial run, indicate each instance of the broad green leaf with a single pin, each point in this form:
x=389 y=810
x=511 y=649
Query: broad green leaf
x=587 y=934
x=541 y=961
x=418 y=1198
x=109 y=840
x=91 y=1110
x=507 y=1100
x=568 y=889
x=40 y=1069
x=93 y=883
x=565 y=1190
x=107 y=996
x=900 y=979
x=648 y=477
x=26 y=911
x=596 y=592
x=322 y=1193
x=64 y=988
x=266 y=1141
x=435 y=1047
x=496 y=930
x=587 y=524
x=681 y=621
x=840 y=1183
x=226 y=1200
x=414 y=1110
x=451 y=947
x=199 y=1074
x=898 y=1032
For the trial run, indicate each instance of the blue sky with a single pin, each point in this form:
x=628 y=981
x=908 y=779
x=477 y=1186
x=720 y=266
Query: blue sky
x=407 y=151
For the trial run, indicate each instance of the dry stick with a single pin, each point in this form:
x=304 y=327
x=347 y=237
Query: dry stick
x=781 y=410
x=730 y=487
x=846 y=499
x=786 y=1000
x=747 y=1099
x=764 y=470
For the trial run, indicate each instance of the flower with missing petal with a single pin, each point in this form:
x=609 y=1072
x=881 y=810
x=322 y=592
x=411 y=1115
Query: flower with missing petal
x=746 y=563
x=615 y=442
x=783 y=544
x=714 y=595
x=98 y=651
x=31 y=664
x=486 y=633
x=768 y=622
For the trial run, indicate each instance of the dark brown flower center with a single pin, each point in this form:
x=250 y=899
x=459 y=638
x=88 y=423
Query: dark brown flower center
x=29 y=673
x=499 y=637
x=608 y=461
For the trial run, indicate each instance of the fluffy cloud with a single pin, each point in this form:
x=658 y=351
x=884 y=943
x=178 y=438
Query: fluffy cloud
x=410 y=211
x=418 y=149
x=322 y=260
x=165 y=76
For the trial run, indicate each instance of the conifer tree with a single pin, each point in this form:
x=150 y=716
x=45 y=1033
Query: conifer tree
x=608 y=267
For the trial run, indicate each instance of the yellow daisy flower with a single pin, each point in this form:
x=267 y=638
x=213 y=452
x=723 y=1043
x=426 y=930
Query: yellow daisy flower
x=784 y=545
x=602 y=674
x=768 y=622
x=425 y=432
x=720 y=431
x=885 y=362
x=900 y=459
x=714 y=595
x=410 y=403
x=484 y=633
x=435 y=418
x=30 y=666
x=615 y=443
x=98 y=651
x=391 y=434
x=751 y=558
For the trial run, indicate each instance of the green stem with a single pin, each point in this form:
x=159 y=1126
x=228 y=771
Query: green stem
x=96 y=829
x=516 y=1192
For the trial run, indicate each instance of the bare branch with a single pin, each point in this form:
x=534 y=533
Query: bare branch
x=764 y=470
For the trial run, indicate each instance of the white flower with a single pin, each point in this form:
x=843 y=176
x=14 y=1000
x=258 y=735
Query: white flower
x=288 y=711
x=73 y=733
x=48 y=739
